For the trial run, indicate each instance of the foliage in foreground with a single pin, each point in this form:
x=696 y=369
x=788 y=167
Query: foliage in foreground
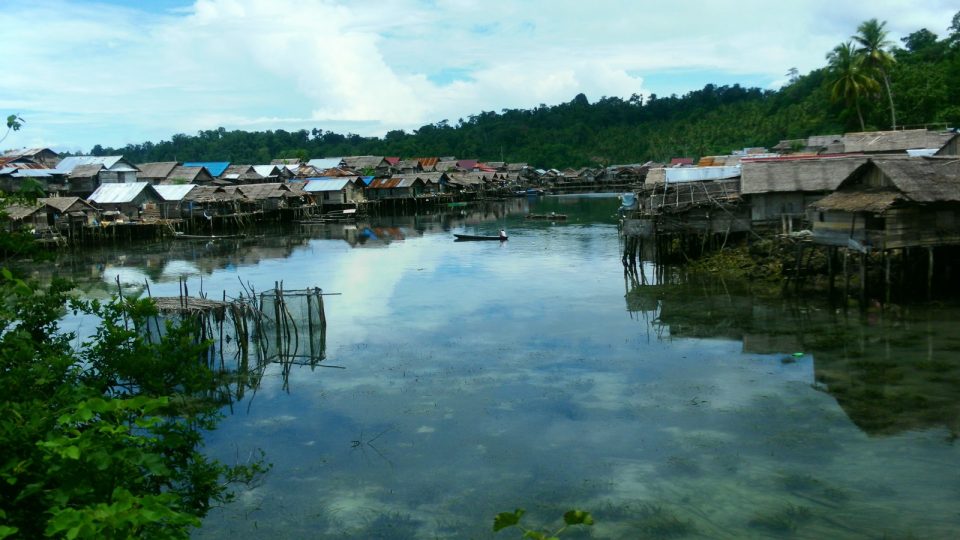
x=504 y=520
x=103 y=440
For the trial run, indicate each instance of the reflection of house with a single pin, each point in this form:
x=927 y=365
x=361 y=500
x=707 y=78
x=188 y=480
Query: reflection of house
x=893 y=203
x=124 y=202
x=779 y=190
x=335 y=190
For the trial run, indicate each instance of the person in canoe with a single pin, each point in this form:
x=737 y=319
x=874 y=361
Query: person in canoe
x=503 y=234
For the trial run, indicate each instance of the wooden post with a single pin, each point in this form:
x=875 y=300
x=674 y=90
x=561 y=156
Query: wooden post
x=863 y=281
x=886 y=277
x=930 y=273
x=831 y=254
x=846 y=277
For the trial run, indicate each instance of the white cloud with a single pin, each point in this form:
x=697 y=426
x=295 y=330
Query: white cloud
x=87 y=73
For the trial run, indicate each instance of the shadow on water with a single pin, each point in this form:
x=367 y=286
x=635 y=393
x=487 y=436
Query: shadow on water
x=891 y=371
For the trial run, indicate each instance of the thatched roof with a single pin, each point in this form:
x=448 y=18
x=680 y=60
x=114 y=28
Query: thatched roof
x=86 y=171
x=894 y=141
x=190 y=174
x=63 y=204
x=16 y=212
x=918 y=180
x=239 y=173
x=874 y=201
x=158 y=170
x=364 y=162
x=785 y=176
x=207 y=194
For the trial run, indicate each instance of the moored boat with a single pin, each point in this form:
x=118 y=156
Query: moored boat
x=476 y=237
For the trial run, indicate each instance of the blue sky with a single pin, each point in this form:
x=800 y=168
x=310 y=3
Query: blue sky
x=115 y=72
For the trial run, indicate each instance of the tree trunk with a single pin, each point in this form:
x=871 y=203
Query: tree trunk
x=893 y=112
x=860 y=116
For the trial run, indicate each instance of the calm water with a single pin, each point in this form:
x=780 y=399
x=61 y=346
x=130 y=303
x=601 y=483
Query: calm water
x=481 y=377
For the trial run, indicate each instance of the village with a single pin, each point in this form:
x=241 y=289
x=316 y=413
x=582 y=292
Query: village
x=84 y=199
x=881 y=208
x=878 y=207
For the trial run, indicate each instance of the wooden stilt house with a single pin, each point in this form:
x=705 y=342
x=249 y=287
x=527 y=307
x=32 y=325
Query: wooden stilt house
x=893 y=203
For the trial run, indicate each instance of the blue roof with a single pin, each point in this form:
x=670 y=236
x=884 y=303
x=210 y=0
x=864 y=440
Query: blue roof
x=216 y=168
x=366 y=180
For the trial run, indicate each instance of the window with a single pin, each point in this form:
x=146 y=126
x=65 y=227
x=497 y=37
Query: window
x=875 y=223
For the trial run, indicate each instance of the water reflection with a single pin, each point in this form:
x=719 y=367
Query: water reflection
x=890 y=371
x=489 y=377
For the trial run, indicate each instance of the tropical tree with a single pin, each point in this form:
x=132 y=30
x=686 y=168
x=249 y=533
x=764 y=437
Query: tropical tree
x=849 y=78
x=874 y=48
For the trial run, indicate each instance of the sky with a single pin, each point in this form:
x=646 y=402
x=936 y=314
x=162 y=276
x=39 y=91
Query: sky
x=113 y=72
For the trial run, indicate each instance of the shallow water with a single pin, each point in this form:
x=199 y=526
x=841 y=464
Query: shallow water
x=481 y=377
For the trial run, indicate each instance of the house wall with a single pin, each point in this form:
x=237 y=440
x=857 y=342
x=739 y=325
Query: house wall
x=117 y=177
x=771 y=207
x=916 y=226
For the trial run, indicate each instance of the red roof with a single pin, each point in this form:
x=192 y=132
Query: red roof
x=392 y=160
x=428 y=162
x=467 y=164
x=681 y=161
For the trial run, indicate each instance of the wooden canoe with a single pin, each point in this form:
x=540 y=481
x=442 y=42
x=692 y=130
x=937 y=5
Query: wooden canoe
x=475 y=237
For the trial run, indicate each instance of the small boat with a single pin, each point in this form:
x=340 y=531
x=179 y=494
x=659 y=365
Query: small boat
x=476 y=237
x=550 y=217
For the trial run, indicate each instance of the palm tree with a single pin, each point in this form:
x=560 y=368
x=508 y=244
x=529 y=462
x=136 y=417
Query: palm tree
x=849 y=78
x=874 y=47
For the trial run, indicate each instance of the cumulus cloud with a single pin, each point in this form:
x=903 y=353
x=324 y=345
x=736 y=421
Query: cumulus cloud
x=90 y=73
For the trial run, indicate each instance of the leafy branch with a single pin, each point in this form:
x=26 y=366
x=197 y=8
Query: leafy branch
x=504 y=520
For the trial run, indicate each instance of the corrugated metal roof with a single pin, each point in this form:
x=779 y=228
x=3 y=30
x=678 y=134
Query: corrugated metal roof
x=86 y=170
x=31 y=173
x=700 y=174
x=174 y=192
x=109 y=162
x=325 y=163
x=216 y=168
x=118 y=193
x=266 y=170
x=326 y=184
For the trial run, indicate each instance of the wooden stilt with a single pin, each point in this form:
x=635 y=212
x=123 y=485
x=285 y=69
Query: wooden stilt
x=831 y=271
x=930 y=273
x=886 y=277
x=846 y=276
x=863 y=281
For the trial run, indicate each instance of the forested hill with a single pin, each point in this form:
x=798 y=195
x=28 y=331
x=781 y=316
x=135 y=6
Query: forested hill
x=923 y=71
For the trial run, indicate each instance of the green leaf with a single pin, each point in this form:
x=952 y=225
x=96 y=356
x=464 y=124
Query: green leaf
x=537 y=535
x=578 y=517
x=6 y=531
x=72 y=452
x=507 y=519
